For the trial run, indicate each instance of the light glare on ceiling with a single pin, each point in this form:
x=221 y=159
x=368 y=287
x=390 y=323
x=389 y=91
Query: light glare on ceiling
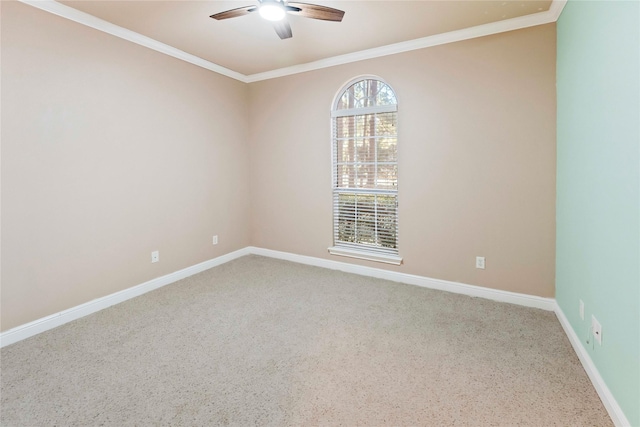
x=272 y=11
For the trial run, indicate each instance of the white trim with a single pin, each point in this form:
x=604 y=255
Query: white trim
x=46 y=323
x=369 y=256
x=115 y=30
x=518 y=23
x=365 y=110
x=556 y=8
x=610 y=403
x=425 y=282
x=49 y=322
x=30 y=329
x=354 y=80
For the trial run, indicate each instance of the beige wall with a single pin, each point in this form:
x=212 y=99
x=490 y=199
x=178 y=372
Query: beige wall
x=109 y=151
x=476 y=160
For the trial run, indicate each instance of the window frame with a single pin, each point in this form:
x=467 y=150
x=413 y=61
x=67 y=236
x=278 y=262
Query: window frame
x=361 y=250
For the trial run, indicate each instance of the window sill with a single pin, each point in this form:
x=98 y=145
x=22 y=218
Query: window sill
x=369 y=256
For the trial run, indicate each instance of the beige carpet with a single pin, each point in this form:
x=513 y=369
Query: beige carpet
x=259 y=341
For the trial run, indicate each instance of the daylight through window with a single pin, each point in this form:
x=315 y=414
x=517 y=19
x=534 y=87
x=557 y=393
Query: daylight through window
x=365 y=172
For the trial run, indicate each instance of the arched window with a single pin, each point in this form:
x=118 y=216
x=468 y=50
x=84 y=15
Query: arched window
x=365 y=171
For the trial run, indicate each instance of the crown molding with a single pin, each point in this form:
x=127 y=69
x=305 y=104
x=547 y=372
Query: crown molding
x=556 y=8
x=123 y=33
x=498 y=27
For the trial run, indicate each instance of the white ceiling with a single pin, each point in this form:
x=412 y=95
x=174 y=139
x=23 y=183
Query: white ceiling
x=248 y=45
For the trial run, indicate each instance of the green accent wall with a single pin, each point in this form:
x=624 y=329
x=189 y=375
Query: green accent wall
x=598 y=186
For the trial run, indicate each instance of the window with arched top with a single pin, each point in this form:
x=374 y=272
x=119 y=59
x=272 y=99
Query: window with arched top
x=365 y=171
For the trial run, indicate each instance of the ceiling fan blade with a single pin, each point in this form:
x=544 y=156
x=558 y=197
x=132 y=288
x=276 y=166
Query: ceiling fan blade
x=283 y=29
x=233 y=13
x=315 y=11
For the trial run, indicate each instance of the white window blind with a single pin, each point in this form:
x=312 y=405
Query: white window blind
x=365 y=171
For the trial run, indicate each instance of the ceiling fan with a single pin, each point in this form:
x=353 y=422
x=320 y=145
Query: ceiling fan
x=275 y=10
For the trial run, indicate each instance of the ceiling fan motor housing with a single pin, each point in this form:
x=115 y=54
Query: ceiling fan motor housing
x=276 y=10
x=272 y=10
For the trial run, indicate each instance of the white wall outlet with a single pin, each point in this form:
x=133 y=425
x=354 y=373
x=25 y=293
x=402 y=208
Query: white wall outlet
x=155 y=256
x=581 y=310
x=215 y=240
x=596 y=329
x=480 y=262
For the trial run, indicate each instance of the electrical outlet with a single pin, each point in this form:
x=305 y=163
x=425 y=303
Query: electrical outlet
x=596 y=329
x=480 y=262
x=581 y=310
x=155 y=256
x=215 y=240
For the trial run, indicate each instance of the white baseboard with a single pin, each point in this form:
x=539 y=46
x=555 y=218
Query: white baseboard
x=549 y=304
x=426 y=282
x=610 y=403
x=44 y=324
x=49 y=322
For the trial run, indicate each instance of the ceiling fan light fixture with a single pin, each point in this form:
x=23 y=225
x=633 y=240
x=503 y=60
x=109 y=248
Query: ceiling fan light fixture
x=272 y=11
